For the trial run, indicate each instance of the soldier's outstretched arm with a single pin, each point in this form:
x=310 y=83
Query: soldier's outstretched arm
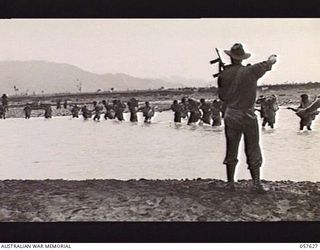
x=259 y=69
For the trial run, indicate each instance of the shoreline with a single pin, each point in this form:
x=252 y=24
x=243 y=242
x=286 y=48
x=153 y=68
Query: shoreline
x=156 y=200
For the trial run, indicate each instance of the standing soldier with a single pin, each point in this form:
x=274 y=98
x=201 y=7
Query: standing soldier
x=5 y=102
x=194 y=111
x=115 y=107
x=237 y=89
x=133 y=108
x=27 y=111
x=268 y=109
x=58 y=104
x=119 y=108
x=306 y=121
x=176 y=108
x=2 y=112
x=206 y=111
x=75 y=111
x=48 y=111
x=271 y=107
x=110 y=114
x=184 y=108
x=86 y=113
x=307 y=118
x=105 y=104
x=216 y=113
x=97 y=112
x=148 y=112
x=65 y=104
x=94 y=103
x=262 y=102
x=310 y=109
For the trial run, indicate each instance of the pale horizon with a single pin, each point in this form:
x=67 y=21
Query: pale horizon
x=161 y=48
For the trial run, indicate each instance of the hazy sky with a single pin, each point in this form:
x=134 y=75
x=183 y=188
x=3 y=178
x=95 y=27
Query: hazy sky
x=165 y=47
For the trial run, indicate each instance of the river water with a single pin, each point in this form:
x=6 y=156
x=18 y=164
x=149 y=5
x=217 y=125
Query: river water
x=65 y=148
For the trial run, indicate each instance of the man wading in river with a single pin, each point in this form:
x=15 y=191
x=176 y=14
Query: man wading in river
x=237 y=89
x=307 y=118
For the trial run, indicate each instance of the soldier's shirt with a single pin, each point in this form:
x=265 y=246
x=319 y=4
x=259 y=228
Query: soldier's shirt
x=244 y=96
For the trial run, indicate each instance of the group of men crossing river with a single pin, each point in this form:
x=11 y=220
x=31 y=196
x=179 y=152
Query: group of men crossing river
x=188 y=110
x=114 y=110
x=196 y=111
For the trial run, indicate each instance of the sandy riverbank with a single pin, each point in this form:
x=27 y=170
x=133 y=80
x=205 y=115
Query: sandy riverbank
x=156 y=200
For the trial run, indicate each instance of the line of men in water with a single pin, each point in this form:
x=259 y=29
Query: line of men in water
x=187 y=108
x=195 y=111
x=269 y=107
x=113 y=110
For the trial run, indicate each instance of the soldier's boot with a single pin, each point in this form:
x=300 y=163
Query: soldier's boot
x=230 y=176
x=257 y=186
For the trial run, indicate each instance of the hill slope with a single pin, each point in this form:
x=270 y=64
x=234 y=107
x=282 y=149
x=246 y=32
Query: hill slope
x=37 y=76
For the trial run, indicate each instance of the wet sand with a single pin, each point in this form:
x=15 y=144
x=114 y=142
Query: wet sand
x=156 y=200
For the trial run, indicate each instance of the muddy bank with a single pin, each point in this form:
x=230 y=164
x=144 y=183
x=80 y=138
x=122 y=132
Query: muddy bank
x=156 y=200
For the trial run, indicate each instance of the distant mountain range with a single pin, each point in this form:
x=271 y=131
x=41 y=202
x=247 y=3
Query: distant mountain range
x=48 y=77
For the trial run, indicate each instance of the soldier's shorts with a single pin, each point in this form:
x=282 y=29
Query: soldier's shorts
x=236 y=124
